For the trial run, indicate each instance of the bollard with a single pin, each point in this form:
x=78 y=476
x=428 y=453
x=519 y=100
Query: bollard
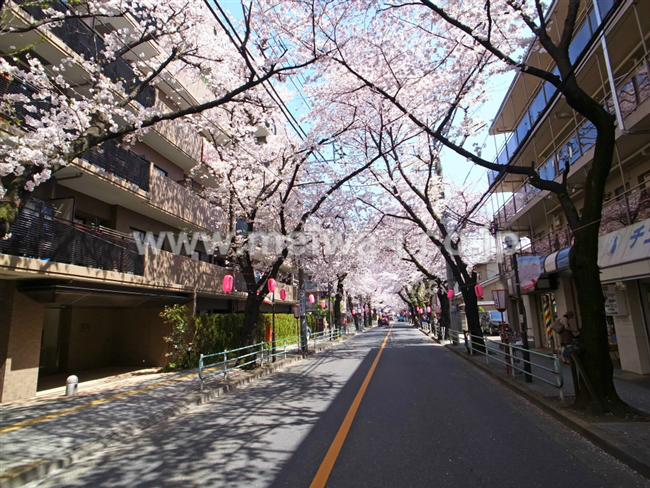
x=71 y=385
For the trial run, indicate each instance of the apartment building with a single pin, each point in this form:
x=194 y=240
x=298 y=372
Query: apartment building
x=76 y=293
x=612 y=59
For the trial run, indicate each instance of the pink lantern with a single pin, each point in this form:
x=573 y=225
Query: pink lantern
x=312 y=300
x=353 y=312
x=450 y=294
x=271 y=284
x=228 y=282
x=428 y=309
x=418 y=309
x=283 y=294
x=322 y=304
x=478 y=289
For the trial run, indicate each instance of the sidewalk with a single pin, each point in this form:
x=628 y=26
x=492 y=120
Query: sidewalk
x=628 y=441
x=51 y=431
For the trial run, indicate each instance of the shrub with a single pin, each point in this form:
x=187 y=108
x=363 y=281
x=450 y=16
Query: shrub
x=211 y=333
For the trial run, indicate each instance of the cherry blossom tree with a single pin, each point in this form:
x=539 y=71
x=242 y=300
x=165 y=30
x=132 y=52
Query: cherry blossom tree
x=432 y=60
x=103 y=89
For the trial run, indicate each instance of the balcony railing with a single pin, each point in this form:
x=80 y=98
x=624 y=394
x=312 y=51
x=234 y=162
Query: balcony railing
x=177 y=200
x=182 y=136
x=173 y=269
x=633 y=89
x=625 y=209
x=121 y=162
x=37 y=233
x=20 y=113
x=79 y=37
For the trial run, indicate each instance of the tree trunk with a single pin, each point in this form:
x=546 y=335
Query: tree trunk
x=337 y=300
x=472 y=315
x=444 y=310
x=251 y=315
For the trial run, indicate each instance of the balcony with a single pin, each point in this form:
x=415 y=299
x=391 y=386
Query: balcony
x=181 y=136
x=19 y=117
x=170 y=269
x=626 y=209
x=176 y=200
x=120 y=162
x=292 y=292
x=539 y=103
x=38 y=234
x=79 y=37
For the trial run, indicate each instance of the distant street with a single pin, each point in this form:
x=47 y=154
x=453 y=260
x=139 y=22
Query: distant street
x=427 y=419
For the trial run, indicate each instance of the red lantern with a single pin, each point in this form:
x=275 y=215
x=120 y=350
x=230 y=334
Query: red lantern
x=271 y=284
x=322 y=304
x=228 y=282
x=478 y=289
x=312 y=300
x=283 y=294
x=353 y=312
x=428 y=309
x=450 y=294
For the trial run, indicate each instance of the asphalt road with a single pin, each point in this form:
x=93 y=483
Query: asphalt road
x=428 y=419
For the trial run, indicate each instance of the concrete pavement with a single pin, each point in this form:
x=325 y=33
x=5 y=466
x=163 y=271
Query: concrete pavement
x=628 y=441
x=427 y=418
x=45 y=434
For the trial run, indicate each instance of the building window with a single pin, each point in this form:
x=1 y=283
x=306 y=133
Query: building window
x=160 y=170
x=618 y=193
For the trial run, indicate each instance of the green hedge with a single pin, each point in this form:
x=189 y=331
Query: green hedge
x=212 y=333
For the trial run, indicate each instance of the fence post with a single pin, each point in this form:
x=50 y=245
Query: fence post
x=262 y=354
x=201 y=370
x=225 y=364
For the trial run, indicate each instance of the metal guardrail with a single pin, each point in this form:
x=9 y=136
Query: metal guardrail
x=259 y=353
x=510 y=359
x=325 y=335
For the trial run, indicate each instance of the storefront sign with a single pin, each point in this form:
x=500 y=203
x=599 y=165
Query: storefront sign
x=632 y=243
x=529 y=271
x=615 y=302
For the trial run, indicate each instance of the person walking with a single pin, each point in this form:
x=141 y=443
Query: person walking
x=568 y=332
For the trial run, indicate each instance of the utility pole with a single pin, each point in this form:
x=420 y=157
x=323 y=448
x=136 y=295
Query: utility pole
x=523 y=324
x=303 y=310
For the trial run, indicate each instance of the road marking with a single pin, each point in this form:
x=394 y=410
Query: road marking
x=67 y=411
x=326 y=466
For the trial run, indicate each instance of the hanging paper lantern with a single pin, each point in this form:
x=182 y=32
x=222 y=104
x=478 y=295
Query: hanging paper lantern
x=323 y=304
x=428 y=309
x=271 y=283
x=353 y=312
x=450 y=294
x=478 y=289
x=283 y=294
x=312 y=300
x=228 y=282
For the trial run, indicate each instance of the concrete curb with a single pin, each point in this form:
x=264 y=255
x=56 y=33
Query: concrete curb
x=34 y=470
x=611 y=445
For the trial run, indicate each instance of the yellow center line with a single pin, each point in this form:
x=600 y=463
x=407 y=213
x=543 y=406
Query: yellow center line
x=94 y=403
x=326 y=466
